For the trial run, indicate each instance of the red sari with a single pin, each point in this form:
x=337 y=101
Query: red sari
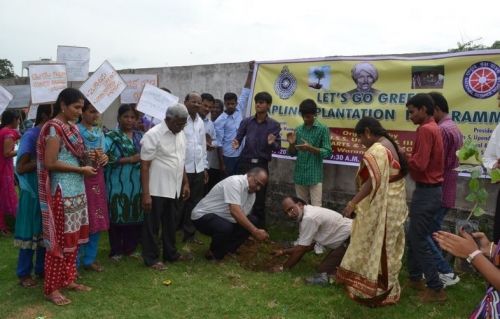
x=8 y=204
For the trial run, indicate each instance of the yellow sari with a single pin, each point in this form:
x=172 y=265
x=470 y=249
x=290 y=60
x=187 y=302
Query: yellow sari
x=371 y=265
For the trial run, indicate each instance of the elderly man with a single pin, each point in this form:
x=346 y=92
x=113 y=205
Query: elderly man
x=196 y=164
x=364 y=74
x=224 y=213
x=316 y=225
x=164 y=182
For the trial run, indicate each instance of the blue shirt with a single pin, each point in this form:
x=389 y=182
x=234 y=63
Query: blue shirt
x=227 y=125
x=92 y=139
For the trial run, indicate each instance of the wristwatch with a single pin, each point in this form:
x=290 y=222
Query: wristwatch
x=473 y=255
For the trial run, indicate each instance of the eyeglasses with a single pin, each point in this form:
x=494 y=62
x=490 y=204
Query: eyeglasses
x=259 y=183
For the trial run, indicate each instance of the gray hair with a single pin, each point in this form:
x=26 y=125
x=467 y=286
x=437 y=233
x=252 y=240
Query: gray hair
x=178 y=110
x=364 y=66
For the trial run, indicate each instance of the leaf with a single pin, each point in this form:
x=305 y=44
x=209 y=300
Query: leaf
x=474 y=184
x=482 y=196
x=471 y=197
x=478 y=211
x=495 y=175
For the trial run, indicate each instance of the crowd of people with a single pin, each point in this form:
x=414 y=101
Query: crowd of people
x=204 y=168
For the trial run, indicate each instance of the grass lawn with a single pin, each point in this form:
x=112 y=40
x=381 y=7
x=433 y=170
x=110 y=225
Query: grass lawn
x=202 y=289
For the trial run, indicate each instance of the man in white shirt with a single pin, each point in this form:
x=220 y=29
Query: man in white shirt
x=214 y=173
x=164 y=182
x=316 y=225
x=196 y=164
x=224 y=213
x=491 y=160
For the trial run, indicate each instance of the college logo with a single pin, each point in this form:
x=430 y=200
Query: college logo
x=481 y=79
x=286 y=84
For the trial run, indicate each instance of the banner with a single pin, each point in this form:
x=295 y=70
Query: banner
x=22 y=96
x=155 y=101
x=349 y=88
x=5 y=98
x=46 y=82
x=135 y=84
x=77 y=61
x=103 y=87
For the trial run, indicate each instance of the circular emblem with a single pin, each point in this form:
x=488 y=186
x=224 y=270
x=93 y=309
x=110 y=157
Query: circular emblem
x=286 y=84
x=481 y=79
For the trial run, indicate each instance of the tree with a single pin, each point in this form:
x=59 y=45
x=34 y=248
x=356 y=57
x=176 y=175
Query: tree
x=319 y=74
x=473 y=45
x=6 y=69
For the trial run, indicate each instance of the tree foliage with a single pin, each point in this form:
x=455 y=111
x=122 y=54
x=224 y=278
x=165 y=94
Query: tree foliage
x=474 y=45
x=6 y=69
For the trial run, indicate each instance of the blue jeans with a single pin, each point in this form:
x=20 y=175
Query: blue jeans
x=442 y=265
x=25 y=262
x=88 y=251
x=425 y=204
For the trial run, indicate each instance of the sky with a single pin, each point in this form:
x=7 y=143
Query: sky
x=155 y=33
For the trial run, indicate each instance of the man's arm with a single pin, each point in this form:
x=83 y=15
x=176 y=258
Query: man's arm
x=245 y=92
x=295 y=255
x=419 y=161
x=146 y=197
x=242 y=219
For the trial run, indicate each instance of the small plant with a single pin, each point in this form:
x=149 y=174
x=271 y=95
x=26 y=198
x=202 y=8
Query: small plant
x=478 y=195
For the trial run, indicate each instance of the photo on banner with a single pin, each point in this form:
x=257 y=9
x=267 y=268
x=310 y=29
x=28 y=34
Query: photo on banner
x=135 y=85
x=76 y=60
x=5 y=98
x=155 y=101
x=46 y=82
x=103 y=87
x=349 y=88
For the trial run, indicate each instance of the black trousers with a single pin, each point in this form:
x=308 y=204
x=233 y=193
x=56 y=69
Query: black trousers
x=496 y=225
x=197 y=188
x=162 y=216
x=214 y=176
x=226 y=237
x=259 y=207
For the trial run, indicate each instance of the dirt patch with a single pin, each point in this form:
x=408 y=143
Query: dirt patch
x=257 y=256
x=31 y=312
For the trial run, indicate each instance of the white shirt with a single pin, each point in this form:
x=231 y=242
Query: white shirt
x=212 y=156
x=232 y=190
x=323 y=226
x=492 y=152
x=167 y=152
x=196 y=145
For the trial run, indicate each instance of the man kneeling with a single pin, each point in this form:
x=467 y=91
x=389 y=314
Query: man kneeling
x=316 y=225
x=223 y=213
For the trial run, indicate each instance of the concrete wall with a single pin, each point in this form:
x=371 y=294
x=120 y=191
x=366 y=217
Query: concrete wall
x=217 y=79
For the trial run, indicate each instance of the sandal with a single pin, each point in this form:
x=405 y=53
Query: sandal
x=27 y=282
x=58 y=299
x=78 y=287
x=94 y=267
x=159 y=266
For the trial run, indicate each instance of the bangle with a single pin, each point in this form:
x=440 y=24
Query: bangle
x=351 y=204
x=491 y=250
x=473 y=255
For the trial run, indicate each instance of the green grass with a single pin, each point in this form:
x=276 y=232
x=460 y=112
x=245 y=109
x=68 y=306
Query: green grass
x=202 y=289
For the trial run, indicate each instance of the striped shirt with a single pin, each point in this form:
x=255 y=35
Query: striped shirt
x=309 y=166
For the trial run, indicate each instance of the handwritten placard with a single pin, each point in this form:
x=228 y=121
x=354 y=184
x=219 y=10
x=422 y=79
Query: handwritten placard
x=5 y=98
x=32 y=112
x=77 y=61
x=135 y=84
x=22 y=96
x=103 y=87
x=46 y=82
x=155 y=101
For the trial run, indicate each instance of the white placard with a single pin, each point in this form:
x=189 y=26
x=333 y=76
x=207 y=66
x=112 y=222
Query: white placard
x=135 y=84
x=5 y=98
x=76 y=60
x=155 y=101
x=22 y=96
x=46 y=82
x=103 y=87
x=32 y=112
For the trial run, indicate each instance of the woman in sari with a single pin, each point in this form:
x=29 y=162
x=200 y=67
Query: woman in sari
x=28 y=233
x=95 y=188
x=8 y=137
x=61 y=190
x=371 y=265
x=123 y=182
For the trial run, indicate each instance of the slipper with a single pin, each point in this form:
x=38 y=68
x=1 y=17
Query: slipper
x=27 y=282
x=58 y=299
x=159 y=266
x=78 y=287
